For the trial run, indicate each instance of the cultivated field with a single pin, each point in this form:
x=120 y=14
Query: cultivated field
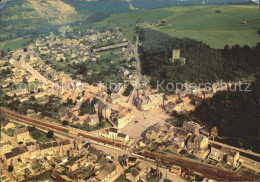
x=214 y=25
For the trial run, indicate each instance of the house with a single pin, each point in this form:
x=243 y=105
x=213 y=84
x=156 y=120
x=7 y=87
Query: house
x=192 y=127
x=106 y=172
x=92 y=120
x=11 y=157
x=122 y=117
x=113 y=98
x=113 y=132
x=22 y=134
x=102 y=108
x=197 y=142
x=153 y=133
x=133 y=175
x=174 y=148
x=119 y=88
x=181 y=136
x=68 y=115
x=7 y=125
x=148 y=102
x=83 y=118
x=201 y=154
x=230 y=156
x=17 y=93
x=215 y=152
x=5 y=147
x=122 y=137
x=132 y=161
x=59 y=177
x=169 y=107
x=137 y=172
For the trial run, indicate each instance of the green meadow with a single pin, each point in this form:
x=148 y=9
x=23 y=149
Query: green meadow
x=13 y=44
x=233 y=24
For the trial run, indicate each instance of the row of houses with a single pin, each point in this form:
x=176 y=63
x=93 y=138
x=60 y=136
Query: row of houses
x=21 y=155
x=189 y=138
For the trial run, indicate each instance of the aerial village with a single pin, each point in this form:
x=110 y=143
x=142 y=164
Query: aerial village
x=125 y=114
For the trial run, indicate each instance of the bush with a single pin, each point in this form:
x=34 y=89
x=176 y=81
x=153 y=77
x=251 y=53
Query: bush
x=50 y=134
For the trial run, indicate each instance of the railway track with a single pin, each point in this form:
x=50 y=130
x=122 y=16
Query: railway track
x=61 y=129
x=206 y=170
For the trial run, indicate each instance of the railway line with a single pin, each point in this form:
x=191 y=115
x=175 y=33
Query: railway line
x=206 y=170
x=57 y=128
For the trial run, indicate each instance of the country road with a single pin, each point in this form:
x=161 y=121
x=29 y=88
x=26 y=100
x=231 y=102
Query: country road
x=135 y=48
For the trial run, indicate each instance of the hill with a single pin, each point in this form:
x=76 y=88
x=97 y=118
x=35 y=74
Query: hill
x=20 y=18
x=235 y=113
x=217 y=26
x=203 y=63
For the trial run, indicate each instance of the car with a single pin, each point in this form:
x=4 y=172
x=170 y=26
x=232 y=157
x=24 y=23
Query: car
x=136 y=122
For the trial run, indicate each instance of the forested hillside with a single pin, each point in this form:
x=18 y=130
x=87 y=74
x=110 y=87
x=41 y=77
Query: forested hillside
x=203 y=64
x=235 y=113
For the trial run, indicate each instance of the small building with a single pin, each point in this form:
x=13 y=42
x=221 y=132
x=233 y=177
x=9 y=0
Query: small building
x=5 y=147
x=112 y=133
x=113 y=98
x=92 y=120
x=132 y=161
x=197 y=142
x=7 y=125
x=181 y=136
x=230 y=156
x=215 y=152
x=67 y=114
x=122 y=137
x=102 y=108
x=153 y=133
x=176 y=59
x=192 y=127
x=174 y=148
x=176 y=169
x=22 y=134
x=119 y=88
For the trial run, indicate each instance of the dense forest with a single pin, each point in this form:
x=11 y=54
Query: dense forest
x=203 y=64
x=235 y=113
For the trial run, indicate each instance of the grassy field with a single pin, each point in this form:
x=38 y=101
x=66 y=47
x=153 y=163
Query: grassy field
x=234 y=24
x=13 y=44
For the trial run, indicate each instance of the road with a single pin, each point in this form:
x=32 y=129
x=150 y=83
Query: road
x=138 y=64
x=35 y=73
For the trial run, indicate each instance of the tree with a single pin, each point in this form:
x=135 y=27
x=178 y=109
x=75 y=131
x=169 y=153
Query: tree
x=50 y=134
x=128 y=90
x=86 y=108
x=25 y=80
x=94 y=101
x=10 y=168
x=65 y=122
x=32 y=98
